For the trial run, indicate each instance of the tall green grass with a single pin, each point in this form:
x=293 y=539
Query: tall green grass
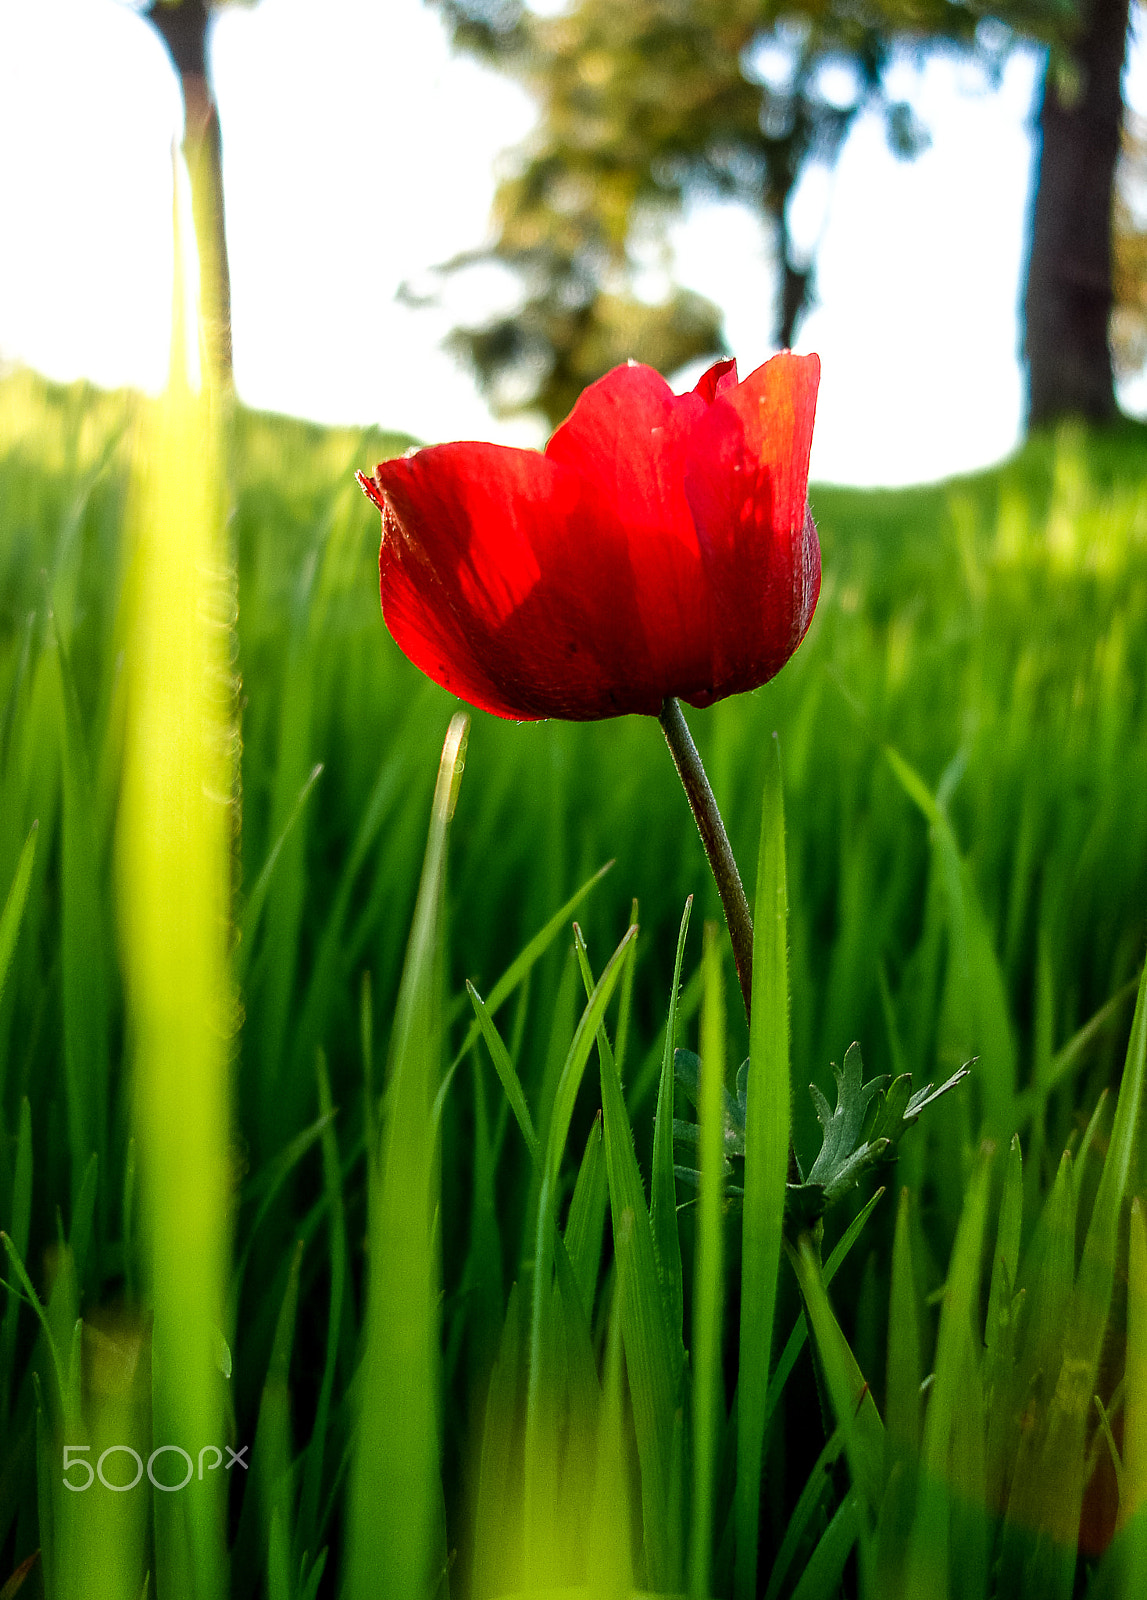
x=398 y=1240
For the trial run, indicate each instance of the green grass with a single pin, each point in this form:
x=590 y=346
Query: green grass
x=452 y=1313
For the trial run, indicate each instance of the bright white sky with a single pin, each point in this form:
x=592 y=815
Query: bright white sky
x=359 y=152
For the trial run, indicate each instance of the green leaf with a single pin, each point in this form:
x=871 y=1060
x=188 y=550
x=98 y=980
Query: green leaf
x=860 y=1133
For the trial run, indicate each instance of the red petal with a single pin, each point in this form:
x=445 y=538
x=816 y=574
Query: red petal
x=721 y=375
x=747 y=484
x=627 y=439
x=495 y=586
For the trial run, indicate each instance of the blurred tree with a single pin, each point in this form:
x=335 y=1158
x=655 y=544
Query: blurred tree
x=640 y=106
x=1129 y=242
x=1068 y=298
x=183 y=25
x=643 y=104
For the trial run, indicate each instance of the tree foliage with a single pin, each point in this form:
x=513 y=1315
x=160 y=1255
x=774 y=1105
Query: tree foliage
x=1129 y=239
x=644 y=105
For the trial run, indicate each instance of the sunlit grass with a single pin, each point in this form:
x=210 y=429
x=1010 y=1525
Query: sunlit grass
x=477 y=1340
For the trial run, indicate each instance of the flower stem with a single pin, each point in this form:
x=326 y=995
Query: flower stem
x=716 y=842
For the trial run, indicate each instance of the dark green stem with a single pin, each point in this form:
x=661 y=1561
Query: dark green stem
x=716 y=842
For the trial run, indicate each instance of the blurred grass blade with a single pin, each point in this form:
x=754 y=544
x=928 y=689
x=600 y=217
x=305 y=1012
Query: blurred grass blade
x=610 y=1564
x=767 y=1134
x=257 y=899
x=395 y=1491
x=83 y=940
x=545 y=1357
x=976 y=1003
x=955 y=1409
x=174 y=846
x=308 y=1519
x=905 y=1359
x=663 y=1187
x=13 y=912
x=1070 y=1409
x=507 y=1076
x=1135 y=1373
x=852 y=1402
x=795 y=1342
x=821 y=1577
x=537 y=947
x=652 y=1360
x=21 y=1223
x=625 y=1004
x=708 y=1287
x=585 y=1223
x=817 y=1486
x=267 y=1490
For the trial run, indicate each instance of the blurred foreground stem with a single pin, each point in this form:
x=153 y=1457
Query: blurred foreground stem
x=716 y=841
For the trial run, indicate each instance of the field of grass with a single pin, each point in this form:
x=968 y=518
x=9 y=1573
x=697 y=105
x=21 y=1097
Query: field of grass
x=275 y=1183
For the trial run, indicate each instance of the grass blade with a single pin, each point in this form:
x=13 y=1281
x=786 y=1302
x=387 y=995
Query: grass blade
x=13 y=912
x=795 y=1342
x=507 y=1075
x=663 y=1187
x=174 y=844
x=394 y=1491
x=905 y=1359
x=852 y=1401
x=1135 y=1373
x=21 y=1223
x=537 y=947
x=767 y=1133
x=585 y=1224
x=708 y=1292
x=651 y=1359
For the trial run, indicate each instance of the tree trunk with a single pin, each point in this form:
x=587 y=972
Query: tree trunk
x=183 y=28
x=1067 y=303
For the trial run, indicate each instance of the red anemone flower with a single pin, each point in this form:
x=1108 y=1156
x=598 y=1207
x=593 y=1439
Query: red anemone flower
x=661 y=545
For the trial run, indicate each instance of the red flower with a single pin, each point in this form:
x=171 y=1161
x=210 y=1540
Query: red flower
x=661 y=545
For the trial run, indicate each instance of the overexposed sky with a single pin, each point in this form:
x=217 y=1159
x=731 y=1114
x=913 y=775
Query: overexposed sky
x=358 y=153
